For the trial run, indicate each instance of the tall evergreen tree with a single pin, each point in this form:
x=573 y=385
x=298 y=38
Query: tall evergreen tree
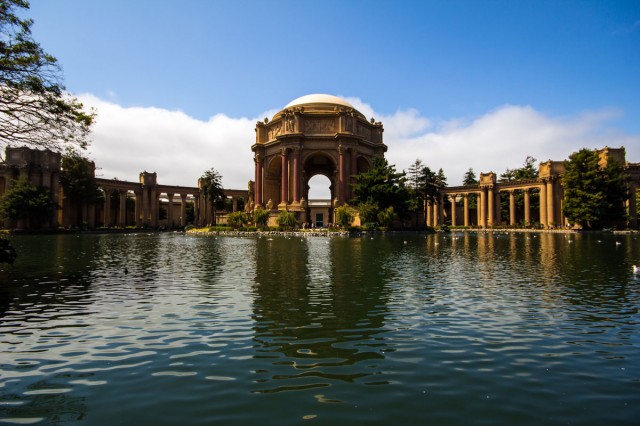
x=470 y=177
x=211 y=187
x=594 y=196
x=382 y=186
x=527 y=171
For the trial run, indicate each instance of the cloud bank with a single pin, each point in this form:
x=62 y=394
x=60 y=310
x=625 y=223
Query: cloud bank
x=127 y=141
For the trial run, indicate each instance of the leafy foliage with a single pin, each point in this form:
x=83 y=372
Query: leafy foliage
x=470 y=177
x=77 y=177
x=237 y=219
x=261 y=217
x=35 y=110
x=387 y=216
x=211 y=187
x=345 y=216
x=594 y=196
x=527 y=171
x=382 y=186
x=286 y=219
x=23 y=200
x=368 y=213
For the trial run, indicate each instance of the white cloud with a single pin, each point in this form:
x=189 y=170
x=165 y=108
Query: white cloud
x=127 y=141
x=180 y=148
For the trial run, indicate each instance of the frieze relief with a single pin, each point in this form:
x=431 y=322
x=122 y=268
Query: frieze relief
x=274 y=131
x=319 y=127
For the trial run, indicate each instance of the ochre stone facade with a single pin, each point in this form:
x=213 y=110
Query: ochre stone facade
x=313 y=135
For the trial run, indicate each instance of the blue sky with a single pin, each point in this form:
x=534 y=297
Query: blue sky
x=458 y=84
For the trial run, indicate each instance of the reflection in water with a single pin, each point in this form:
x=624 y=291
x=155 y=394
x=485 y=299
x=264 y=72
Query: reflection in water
x=414 y=329
x=316 y=313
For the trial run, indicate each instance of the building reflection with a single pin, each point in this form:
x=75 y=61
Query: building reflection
x=319 y=308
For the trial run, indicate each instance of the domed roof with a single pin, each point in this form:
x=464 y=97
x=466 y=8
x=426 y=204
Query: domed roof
x=318 y=103
x=319 y=98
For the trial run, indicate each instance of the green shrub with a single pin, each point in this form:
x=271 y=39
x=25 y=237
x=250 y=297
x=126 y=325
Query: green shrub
x=345 y=216
x=237 y=219
x=261 y=217
x=286 y=219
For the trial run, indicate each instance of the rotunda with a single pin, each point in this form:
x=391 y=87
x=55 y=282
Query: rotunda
x=312 y=135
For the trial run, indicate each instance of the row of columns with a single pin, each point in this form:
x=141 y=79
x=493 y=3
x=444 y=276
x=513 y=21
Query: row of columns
x=147 y=208
x=489 y=206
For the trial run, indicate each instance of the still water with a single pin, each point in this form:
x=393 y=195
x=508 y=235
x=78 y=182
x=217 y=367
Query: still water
x=163 y=329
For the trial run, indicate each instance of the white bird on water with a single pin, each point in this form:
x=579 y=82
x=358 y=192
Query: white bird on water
x=635 y=269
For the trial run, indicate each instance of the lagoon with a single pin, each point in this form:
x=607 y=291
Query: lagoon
x=447 y=329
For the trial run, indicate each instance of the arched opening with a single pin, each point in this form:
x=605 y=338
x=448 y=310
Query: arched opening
x=319 y=188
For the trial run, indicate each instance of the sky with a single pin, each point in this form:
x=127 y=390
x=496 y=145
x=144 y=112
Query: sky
x=179 y=86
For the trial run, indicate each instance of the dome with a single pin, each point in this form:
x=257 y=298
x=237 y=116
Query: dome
x=319 y=103
x=319 y=99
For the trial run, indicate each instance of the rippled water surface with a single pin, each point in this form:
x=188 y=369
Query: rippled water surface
x=135 y=329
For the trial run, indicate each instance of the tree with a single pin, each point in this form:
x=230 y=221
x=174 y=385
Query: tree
x=594 y=195
x=344 y=216
x=261 y=217
x=470 y=178
x=35 y=109
x=77 y=177
x=387 y=216
x=211 y=187
x=382 y=186
x=526 y=172
x=23 y=200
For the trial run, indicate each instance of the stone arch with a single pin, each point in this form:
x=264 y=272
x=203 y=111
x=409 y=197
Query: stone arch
x=319 y=163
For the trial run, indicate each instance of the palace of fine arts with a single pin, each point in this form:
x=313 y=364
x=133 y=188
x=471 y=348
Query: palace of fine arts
x=312 y=135
x=332 y=213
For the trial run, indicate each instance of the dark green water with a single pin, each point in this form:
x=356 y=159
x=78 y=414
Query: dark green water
x=410 y=330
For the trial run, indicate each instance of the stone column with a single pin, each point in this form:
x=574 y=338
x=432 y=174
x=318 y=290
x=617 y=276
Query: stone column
x=527 y=207
x=138 y=194
x=465 y=200
x=107 y=208
x=353 y=171
x=453 y=209
x=341 y=174
x=122 y=219
x=428 y=210
x=183 y=209
x=551 y=214
x=145 y=206
x=492 y=206
x=284 y=193
x=257 y=197
x=296 y=175
x=170 y=211
x=482 y=207
x=436 y=213
x=154 y=207
x=512 y=208
x=543 y=204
